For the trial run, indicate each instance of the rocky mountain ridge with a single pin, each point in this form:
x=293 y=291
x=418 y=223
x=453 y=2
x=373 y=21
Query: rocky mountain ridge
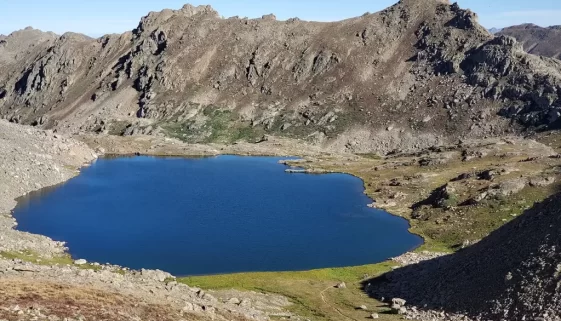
x=417 y=74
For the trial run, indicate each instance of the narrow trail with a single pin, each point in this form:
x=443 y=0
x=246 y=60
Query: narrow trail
x=332 y=306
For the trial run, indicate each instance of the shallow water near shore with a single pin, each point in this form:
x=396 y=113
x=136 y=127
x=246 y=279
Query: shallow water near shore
x=214 y=215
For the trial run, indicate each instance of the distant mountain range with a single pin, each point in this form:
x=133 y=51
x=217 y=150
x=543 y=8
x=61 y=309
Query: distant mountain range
x=535 y=39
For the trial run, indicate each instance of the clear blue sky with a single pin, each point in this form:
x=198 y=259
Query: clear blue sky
x=98 y=17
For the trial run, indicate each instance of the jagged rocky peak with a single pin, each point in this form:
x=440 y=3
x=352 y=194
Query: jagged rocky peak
x=155 y=19
x=442 y=14
x=441 y=11
x=21 y=40
x=423 y=2
x=190 y=10
x=421 y=5
x=73 y=36
x=465 y=19
x=30 y=32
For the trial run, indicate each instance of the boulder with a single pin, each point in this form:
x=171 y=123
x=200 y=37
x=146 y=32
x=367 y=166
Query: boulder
x=100 y=150
x=235 y=301
x=488 y=175
x=155 y=275
x=443 y=197
x=189 y=307
x=477 y=199
x=397 y=309
x=541 y=181
x=508 y=188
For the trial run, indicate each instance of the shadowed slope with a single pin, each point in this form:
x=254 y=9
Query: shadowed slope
x=513 y=274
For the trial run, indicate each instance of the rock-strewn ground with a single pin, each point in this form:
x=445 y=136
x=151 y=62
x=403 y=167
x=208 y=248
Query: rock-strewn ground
x=32 y=159
x=166 y=146
x=455 y=196
x=513 y=274
x=63 y=291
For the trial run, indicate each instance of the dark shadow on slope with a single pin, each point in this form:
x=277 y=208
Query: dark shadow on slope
x=478 y=280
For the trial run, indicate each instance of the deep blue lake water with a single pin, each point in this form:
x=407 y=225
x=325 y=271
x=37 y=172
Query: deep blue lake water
x=214 y=215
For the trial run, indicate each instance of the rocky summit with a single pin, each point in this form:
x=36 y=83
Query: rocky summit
x=417 y=74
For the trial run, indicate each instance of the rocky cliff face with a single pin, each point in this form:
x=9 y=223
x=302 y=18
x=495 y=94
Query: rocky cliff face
x=537 y=40
x=414 y=75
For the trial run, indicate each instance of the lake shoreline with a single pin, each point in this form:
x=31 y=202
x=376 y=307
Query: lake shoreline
x=79 y=253
x=386 y=180
x=106 y=146
x=23 y=255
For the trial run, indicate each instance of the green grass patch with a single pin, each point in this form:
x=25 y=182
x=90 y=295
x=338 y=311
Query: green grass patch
x=471 y=223
x=371 y=156
x=258 y=280
x=32 y=257
x=304 y=288
x=220 y=126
